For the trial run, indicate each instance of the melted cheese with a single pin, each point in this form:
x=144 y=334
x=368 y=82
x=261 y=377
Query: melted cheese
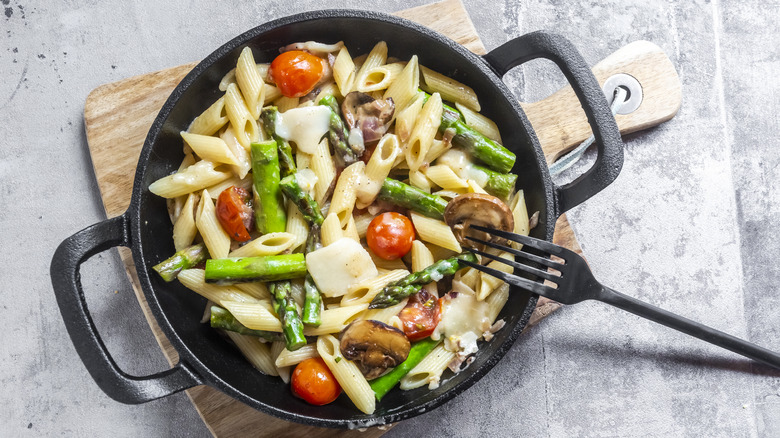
x=340 y=265
x=304 y=126
x=461 y=164
x=463 y=321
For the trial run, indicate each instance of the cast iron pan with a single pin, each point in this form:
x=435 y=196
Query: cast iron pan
x=205 y=358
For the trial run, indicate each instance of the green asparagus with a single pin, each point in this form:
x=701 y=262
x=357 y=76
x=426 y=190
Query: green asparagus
x=382 y=385
x=270 y=215
x=498 y=184
x=287 y=310
x=222 y=319
x=404 y=195
x=186 y=258
x=305 y=203
x=249 y=269
x=312 y=304
x=393 y=293
x=480 y=147
x=286 y=161
x=338 y=134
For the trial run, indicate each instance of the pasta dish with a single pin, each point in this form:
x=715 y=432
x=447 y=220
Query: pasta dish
x=322 y=208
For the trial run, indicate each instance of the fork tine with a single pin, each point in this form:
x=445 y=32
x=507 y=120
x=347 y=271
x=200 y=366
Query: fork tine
x=514 y=280
x=525 y=240
x=525 y=268
x=526 y=255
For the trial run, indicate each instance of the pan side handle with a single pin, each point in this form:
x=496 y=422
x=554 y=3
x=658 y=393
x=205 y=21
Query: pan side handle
x=66 y=280
x=558 y=49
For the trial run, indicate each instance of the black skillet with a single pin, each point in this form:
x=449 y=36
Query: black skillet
x=205 y=358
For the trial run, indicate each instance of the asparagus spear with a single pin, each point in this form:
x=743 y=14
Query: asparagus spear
x=480 y=147
x=287 y=310
x=498 y=184
x=338 y=134
x=249 y=269
x=222 y=319
x=382 y=385
x=184 y=259
x=286 y=162
x=392 y=294
x=406 y=196
x=312 y=303
x=305 y=203
x=270 y=215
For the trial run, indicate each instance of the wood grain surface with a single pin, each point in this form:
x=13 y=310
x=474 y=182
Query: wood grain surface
x=115 y=139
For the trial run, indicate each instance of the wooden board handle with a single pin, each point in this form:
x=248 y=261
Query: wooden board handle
x=560 y=122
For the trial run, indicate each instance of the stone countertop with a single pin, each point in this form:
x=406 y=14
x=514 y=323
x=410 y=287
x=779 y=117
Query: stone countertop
x=690 y=224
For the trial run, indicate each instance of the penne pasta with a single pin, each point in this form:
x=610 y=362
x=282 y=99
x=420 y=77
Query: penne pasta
x=335 y=320
x=429 y=370
x=211 y=120
x=250 y=82
x=364 y=292
x=184 y=230
x=344 y=71
x=421 y=138
x=479 y=123
x=244 y=125
x=195 y=280
x=488 y=283
x=330 y=231
x=347 y=374
x=288 y=358
x=445 y=178
x=323 y=166
x=449 y=88
x=377 y=57
x=405 y=86
x=296 y=225
x=256 y=316
x=283 y=371
x=214 y=236
x=243 y=159
x=345 y=193
x=267 y=244
x=435 y=231
x=256 y=352
x=210 y=148
x=377 y=169
x=194 y=178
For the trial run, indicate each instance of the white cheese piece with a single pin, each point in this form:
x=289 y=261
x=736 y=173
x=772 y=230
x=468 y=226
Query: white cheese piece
x=463 y=320
x=461 y=164
x=304 y=126
x=339 y=265
x=306 y=179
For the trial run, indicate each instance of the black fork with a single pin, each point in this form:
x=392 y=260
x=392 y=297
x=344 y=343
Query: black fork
x=575 y=283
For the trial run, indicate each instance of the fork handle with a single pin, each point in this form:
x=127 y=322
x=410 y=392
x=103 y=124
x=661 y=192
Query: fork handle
x=685 y=325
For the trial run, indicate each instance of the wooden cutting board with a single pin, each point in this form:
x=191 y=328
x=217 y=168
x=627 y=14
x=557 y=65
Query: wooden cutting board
x=118 y=115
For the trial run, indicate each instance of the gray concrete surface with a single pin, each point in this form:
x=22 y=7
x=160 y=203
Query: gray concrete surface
x=690 y=224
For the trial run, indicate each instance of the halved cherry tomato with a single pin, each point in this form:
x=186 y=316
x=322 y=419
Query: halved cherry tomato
x=296 y=72
x=390 y=235
x=234 y=212
x=313 y=382
x=420 y=316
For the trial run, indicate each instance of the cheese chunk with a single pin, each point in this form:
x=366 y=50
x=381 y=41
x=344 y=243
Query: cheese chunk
x=304 y=126
x=339 y=265
x=463 y=320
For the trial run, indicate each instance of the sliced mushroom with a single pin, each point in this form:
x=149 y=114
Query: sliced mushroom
x=478 y=209
x=371 y=116
x=374 y=346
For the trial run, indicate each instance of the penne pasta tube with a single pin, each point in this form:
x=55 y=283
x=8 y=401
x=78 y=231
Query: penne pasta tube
x=267 y=244
x=435 y=231
x=288 y=358
x=365 y=291
x=334 y=320
x=256 y=316
x=194 y=178
x=217 y=240
x=450 y=89
x=347 y=374
x=211 y=120
x=184 y=230
x=425 y=128
x=195 y=280
x=258 y=353
x=250 y=82
x=429 y=370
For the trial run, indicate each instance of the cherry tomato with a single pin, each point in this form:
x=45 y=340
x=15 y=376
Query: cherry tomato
x=313 y=382
x=420 y=316
x=390 y=235
x=234 y=212
x=296 y=72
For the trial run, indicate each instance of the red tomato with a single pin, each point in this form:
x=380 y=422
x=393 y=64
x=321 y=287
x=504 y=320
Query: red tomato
x=313 y=382
x=296 y=72
x=390 y=235
x=234 y=213
x=420 y=316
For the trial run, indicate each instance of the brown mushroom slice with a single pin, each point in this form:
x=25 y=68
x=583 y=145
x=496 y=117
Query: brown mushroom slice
x=478 y=209
x=371 y=116
x=374 y=346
